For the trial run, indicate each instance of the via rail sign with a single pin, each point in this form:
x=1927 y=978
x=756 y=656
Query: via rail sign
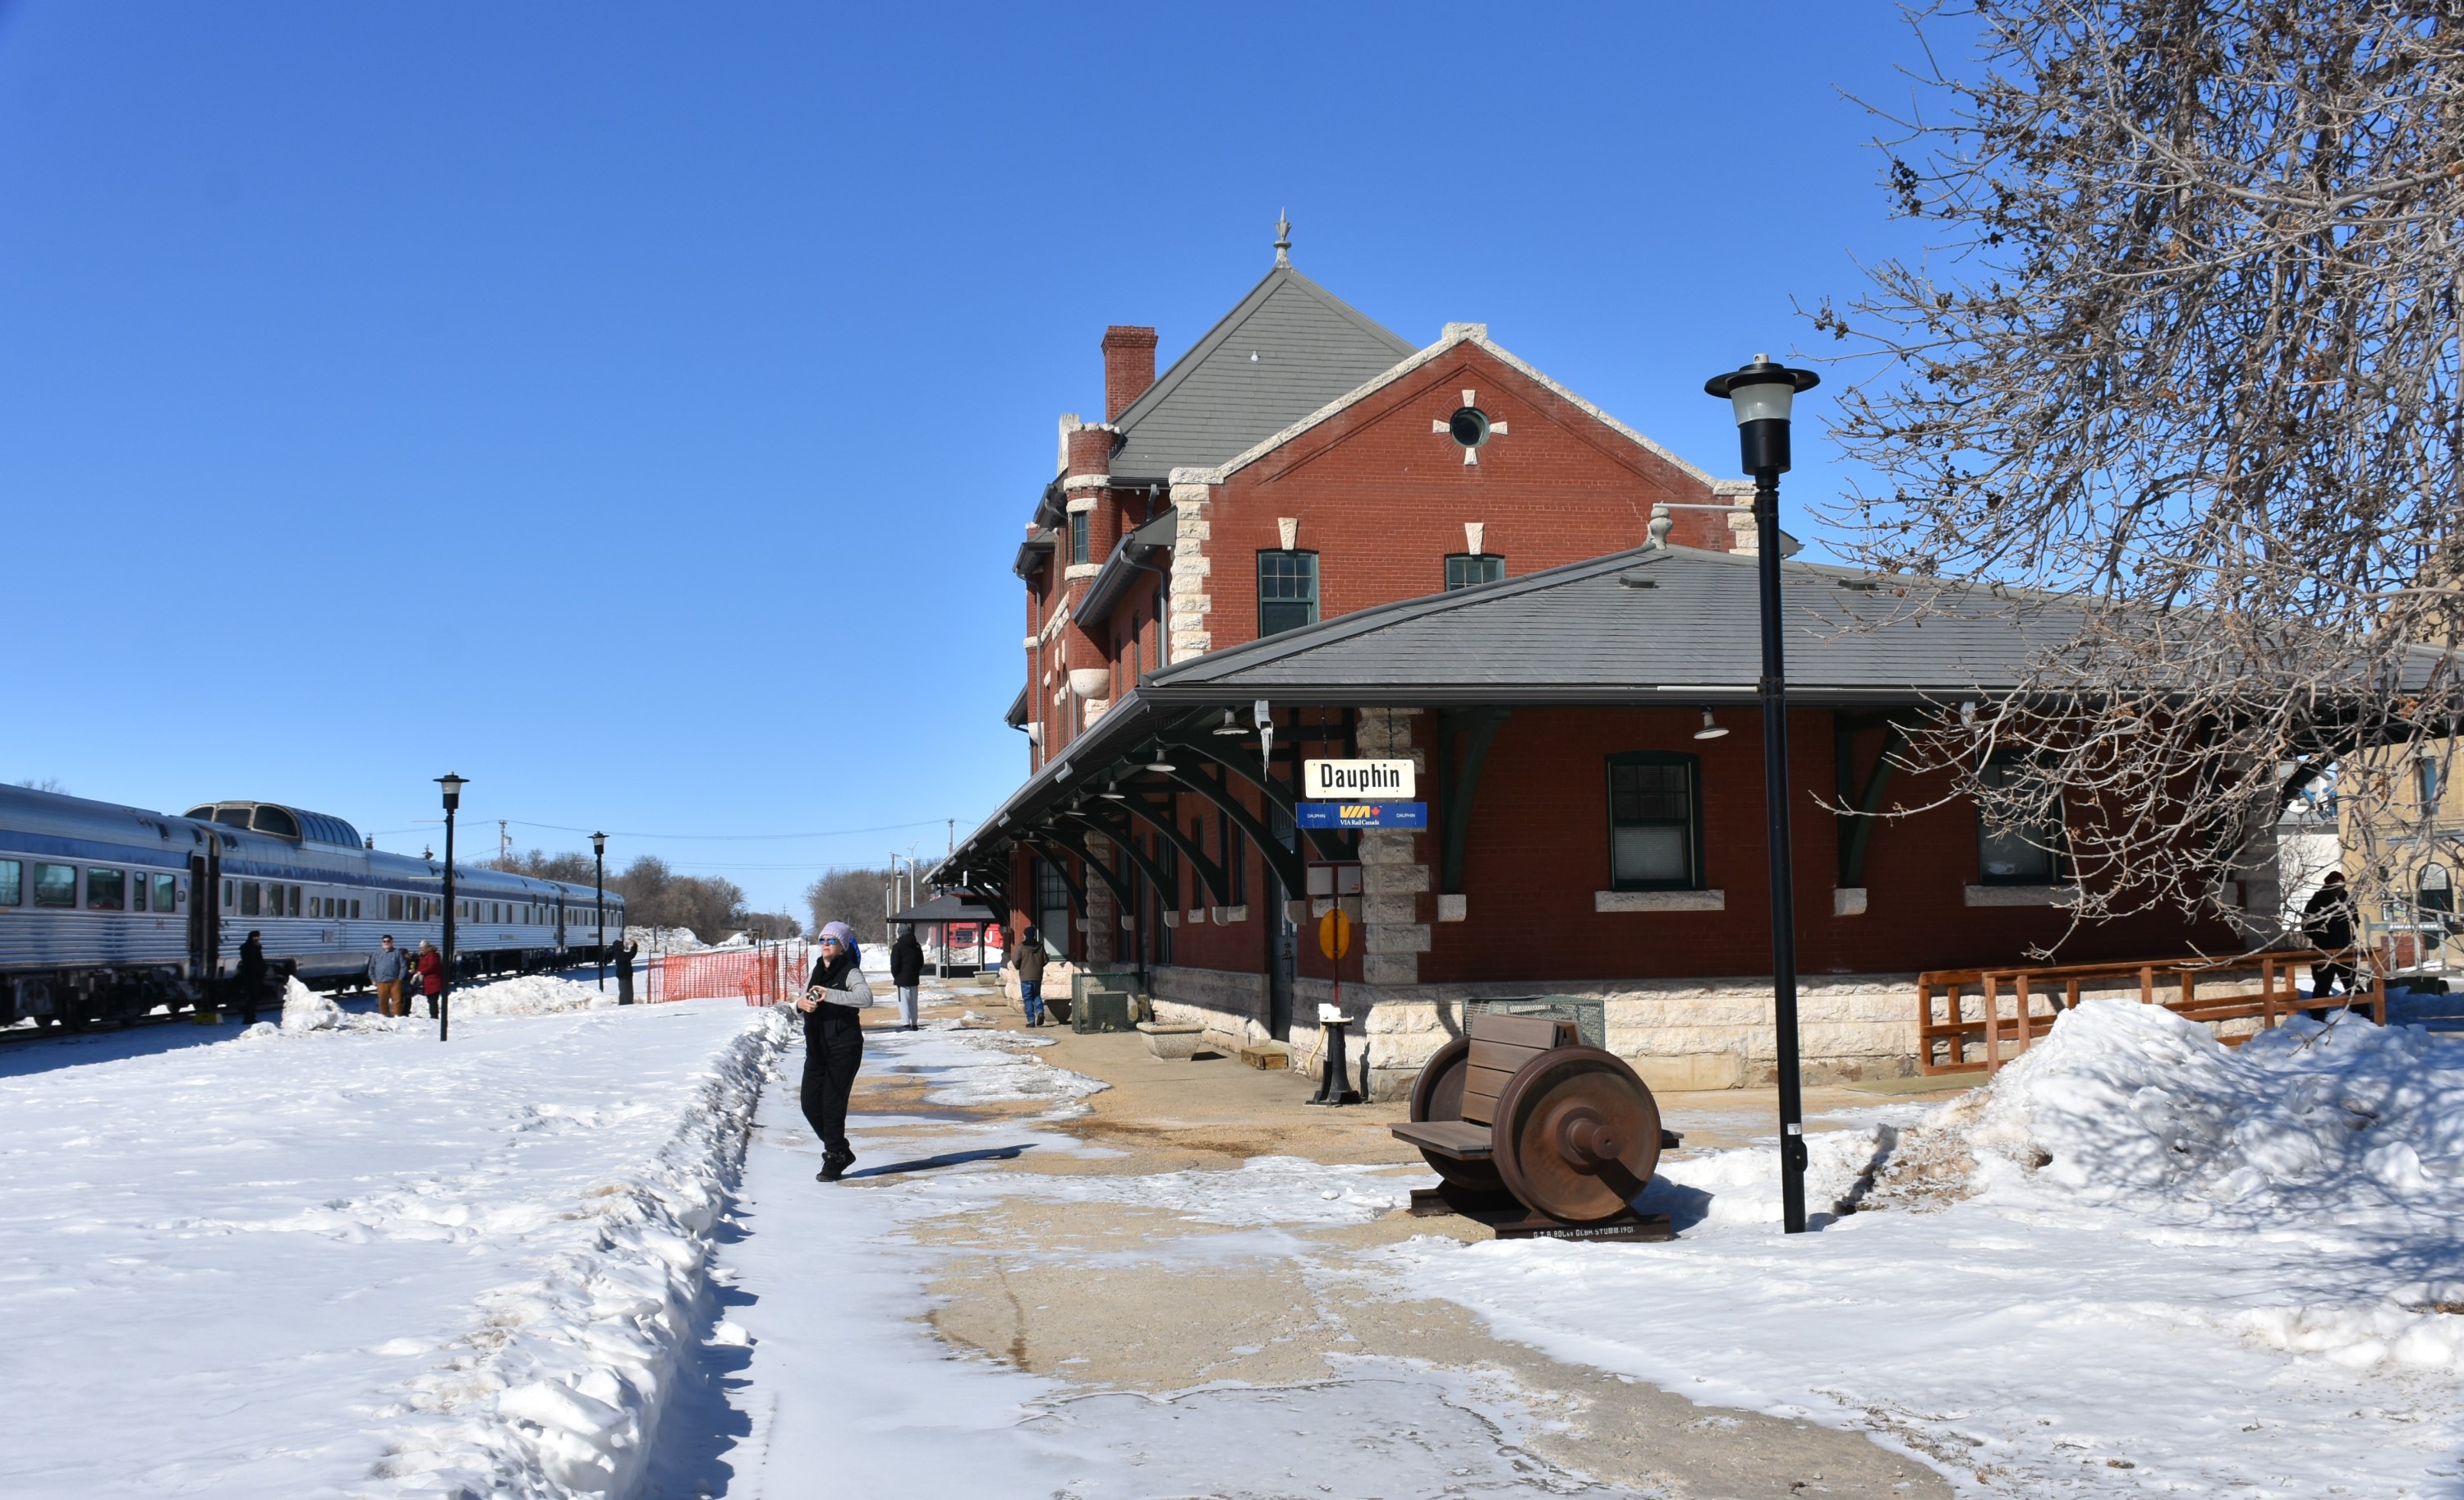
x=1358 y=781
x=1363 y=815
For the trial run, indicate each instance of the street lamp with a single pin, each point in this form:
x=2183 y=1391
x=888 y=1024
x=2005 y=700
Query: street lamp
x=1760 y=393
x=599 y=884
x=453 y=785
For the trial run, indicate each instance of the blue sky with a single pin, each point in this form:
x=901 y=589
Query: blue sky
x=635 y=408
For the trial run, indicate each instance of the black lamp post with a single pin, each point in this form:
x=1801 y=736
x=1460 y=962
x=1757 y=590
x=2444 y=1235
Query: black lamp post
x=599 y=882
x=1761 y=393
x=453 y=785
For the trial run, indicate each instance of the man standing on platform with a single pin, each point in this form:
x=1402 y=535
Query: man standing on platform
x=907 y=972
x=1028 y=960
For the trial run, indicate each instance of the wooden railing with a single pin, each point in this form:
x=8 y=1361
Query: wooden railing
x=1997 y=1009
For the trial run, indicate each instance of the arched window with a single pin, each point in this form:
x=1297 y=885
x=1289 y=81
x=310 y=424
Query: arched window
x=2437 y=889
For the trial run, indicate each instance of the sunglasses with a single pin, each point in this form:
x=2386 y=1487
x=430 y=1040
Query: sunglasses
x=831 y=943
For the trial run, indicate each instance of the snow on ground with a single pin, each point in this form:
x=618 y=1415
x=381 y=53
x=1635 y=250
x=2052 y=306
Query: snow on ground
x=348 y=1259
x=2178 y=1266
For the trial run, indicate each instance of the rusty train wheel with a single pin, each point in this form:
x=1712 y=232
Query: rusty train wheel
x=1578 y=1135
x=1437 y=1095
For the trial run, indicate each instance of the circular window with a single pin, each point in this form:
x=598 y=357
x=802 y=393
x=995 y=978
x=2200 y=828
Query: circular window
x=1470 y=426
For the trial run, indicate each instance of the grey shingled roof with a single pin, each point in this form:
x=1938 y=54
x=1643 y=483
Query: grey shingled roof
x=1585 y=633
x=1216 y=402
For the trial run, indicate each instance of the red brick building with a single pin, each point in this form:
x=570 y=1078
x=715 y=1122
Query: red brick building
x=1444 y=556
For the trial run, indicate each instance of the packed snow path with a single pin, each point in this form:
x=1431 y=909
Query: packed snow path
x=331 y=1263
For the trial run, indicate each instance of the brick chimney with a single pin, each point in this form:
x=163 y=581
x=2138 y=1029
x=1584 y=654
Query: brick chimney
x=1129 y=367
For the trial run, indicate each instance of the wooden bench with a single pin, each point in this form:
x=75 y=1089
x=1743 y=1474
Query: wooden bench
x=1536 y=1134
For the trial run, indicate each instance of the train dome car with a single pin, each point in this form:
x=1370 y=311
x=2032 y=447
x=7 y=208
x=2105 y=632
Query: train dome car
x=108 y=913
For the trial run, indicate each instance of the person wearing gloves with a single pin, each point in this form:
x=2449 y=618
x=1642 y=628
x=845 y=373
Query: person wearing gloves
x=907 y=972
x=833 y=1044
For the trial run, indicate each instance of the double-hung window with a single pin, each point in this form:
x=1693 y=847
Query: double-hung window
x=1287 y=592
x=1655 y=822
x=1078 y=544
x=2017 y=854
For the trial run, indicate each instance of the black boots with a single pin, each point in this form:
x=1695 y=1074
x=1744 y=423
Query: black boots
x=834 y=1165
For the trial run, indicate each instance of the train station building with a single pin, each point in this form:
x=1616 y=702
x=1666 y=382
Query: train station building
x=1307 y=538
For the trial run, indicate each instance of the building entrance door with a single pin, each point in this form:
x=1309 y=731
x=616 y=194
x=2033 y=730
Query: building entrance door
x=1283 y=952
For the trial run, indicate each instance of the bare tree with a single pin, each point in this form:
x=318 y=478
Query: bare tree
x=48 y=784
x=2186 y=353
x=657 y=897
x=853 y=896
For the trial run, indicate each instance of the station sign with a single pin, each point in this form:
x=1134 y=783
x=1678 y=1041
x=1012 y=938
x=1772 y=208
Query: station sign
x=1358 y=781
x=1363 y=815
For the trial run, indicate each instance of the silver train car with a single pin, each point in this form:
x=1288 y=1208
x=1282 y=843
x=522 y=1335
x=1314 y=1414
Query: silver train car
x=108 y=912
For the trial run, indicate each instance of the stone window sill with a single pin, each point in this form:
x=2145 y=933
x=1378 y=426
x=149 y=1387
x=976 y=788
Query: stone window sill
x=1660 y=900
x=2022 y=895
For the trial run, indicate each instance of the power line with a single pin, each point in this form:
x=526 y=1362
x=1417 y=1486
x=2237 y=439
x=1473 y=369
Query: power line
x=832 y=833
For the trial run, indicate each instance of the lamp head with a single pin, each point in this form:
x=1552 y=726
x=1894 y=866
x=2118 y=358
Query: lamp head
x=453 y=785
x=1711 y=730
x=1761 y=394
x=599 y=843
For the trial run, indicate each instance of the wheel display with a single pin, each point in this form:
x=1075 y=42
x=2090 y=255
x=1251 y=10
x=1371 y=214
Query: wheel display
x=1576 y=1135
x=1437 y=1095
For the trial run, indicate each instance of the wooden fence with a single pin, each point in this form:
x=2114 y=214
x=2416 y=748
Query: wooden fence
x=1994 y=1012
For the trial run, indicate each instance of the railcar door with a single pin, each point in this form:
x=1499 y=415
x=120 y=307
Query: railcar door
x=206 y=919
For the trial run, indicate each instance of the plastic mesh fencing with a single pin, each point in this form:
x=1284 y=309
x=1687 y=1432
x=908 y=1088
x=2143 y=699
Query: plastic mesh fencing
x=763 y=975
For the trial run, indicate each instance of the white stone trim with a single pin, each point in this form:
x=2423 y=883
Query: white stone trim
x=1080 y=502
x=1085 y=481
x=1454 y=909
x=1847 y=900
x=1288 y=529
x=2020 y=895
x=1473 y=532
x=1078 y=571
x=1191 y=567
x=1660 y=900
x=1226 y=915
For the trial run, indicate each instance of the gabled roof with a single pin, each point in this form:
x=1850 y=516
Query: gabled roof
x=1288 y=349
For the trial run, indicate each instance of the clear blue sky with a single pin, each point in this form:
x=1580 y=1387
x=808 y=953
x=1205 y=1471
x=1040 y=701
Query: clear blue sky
x=366 y=368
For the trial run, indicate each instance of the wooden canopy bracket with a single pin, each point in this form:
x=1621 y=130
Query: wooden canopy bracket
x=1284 y=863
x=1218 y=879
x=1076 y=888
x=1124 y=836
x=1249 y=768
x=1077 y=846
x=1857 y=828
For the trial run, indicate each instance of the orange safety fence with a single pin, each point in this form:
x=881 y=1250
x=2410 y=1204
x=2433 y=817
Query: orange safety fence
x=763 y=975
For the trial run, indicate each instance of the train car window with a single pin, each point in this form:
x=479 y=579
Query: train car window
x=13 y=882
x=393 y=908
x=56 y=886
x=230 y=895
x=248 y=899
x=295 y=900
x=276 y=821
x=232 y=817
x=106 y=890
x=137 y=891
x=167 y=893
x=355 y=911
x=203 y=814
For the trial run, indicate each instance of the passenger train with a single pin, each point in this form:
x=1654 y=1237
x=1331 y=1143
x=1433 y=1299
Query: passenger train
x=107 y=913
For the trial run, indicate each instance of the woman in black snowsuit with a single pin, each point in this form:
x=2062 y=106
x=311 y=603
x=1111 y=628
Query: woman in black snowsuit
x=833 y=1043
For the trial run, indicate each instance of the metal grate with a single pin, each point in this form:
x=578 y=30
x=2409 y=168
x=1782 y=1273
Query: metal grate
x=1589 y=1016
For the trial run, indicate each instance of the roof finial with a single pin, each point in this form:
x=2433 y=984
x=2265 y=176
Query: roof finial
x=1282 y=237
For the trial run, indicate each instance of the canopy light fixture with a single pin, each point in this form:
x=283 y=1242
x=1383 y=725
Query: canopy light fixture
x=1231 y=724
x=1158 y=762
x=1711 y=729
x=1112 y=792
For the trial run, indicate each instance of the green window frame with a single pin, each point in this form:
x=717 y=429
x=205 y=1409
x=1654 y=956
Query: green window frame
x=1655 y=805
x=13 y=882
x=1078 y=539
x=1469 y=569
x=1287 y=591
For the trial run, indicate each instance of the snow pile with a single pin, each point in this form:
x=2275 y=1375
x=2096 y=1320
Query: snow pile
x=993 y=1067
x=2131 y=1104
x=528 y=995
x=303 y=1009
x=558 y=1389
x=662 y=939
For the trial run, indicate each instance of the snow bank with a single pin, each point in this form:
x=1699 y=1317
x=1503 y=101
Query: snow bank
x=528 y=995
x=557 y=1391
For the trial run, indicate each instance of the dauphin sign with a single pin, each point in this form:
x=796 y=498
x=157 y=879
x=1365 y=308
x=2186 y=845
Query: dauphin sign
x=1357 y=780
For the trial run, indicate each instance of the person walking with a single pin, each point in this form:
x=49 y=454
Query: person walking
x=832 y=1002
x=249 y=976
x=431 y=975
x=2327 y=922
x=1028 y=959
x=386 y=970
x=907 y=972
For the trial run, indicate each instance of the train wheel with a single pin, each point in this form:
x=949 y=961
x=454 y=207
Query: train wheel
x=1578 y=1135
x=1437 y=1095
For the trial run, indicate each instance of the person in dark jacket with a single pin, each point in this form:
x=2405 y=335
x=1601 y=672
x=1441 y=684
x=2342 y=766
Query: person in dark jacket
x=907 y=972
x=249 y=976
x=2327 y=921
x=1026 y=955
x=625 y=972
x=832 y=1003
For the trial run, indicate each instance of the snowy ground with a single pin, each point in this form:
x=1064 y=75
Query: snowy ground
x=334 y=1257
